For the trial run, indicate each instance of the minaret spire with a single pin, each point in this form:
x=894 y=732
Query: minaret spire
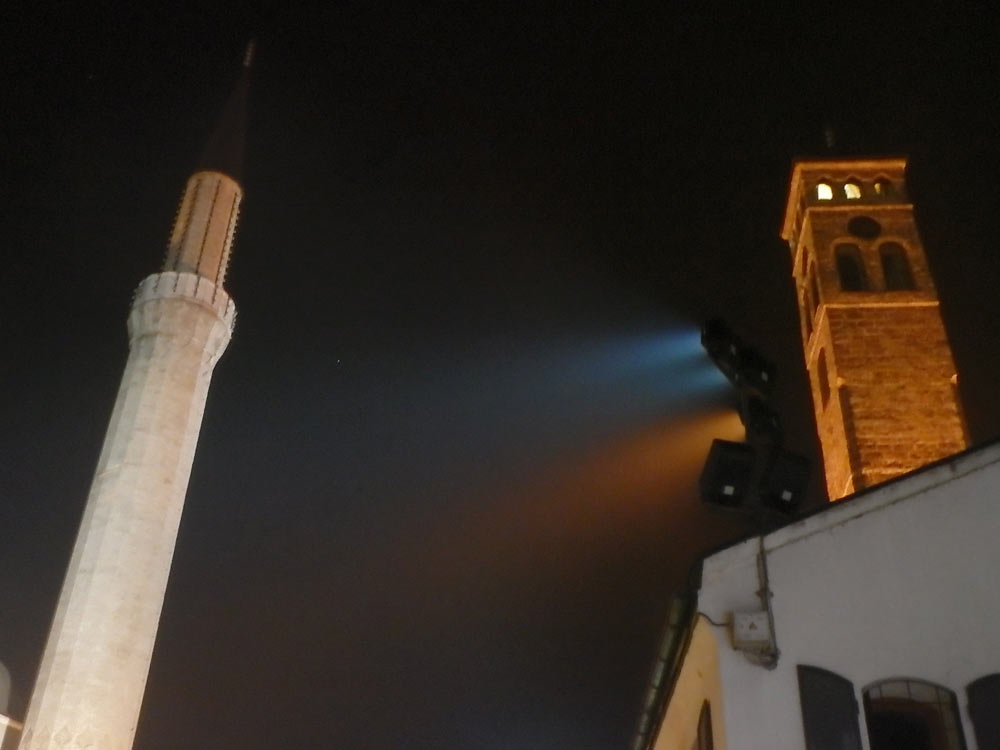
x=203 y=232
x=248 y=55
x=93 y=672
x=224 y=149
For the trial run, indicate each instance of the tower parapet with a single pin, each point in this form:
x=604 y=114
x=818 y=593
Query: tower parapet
x=880 y=365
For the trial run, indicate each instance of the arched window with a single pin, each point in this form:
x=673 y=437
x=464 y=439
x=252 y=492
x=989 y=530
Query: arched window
x=852 y=191
x=829 y=710
x=850 y=268
x=895 y=267
x=883 y=187
x=814 y=289
x=912 y=714
x=704 y=740
x=984 y=708
x=807 y=314
x=824 y=192
x=824 y=378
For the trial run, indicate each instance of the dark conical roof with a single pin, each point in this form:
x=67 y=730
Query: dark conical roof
x=224 y=150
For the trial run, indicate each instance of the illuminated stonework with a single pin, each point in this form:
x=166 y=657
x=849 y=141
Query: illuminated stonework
x=93 y=673
x=880 y=366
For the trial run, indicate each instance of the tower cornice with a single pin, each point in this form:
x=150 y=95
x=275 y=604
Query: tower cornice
x=806 y=172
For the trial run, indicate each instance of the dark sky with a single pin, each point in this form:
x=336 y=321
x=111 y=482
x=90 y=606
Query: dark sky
x=446 y=480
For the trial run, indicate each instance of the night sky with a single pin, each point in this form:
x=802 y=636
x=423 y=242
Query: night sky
x=446 y=480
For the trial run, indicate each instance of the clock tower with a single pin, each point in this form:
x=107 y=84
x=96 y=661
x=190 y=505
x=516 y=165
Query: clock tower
x=880 y=367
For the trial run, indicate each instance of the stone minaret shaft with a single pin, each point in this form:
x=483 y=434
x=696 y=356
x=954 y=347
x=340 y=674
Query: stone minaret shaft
x=880 y=366
x=93 y=672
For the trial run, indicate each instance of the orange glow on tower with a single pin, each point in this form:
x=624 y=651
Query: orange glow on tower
x=880 y=366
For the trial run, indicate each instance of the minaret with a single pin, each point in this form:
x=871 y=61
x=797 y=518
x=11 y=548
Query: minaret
x=93 y=672
x=880 y=367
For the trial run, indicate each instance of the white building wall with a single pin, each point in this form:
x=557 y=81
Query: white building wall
x=897 y=583
x=697 y=683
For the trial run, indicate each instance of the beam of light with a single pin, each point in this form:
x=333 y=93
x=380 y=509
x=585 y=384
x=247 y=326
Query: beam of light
x=536 y=440
x=581 y=501
x=613 y=358
x=655 y=372
x=649 y=466
x=476 y=419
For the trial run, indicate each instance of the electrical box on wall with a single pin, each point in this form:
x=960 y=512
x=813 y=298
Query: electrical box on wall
x=751 y=631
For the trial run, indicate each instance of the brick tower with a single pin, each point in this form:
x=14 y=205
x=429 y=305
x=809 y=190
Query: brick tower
x=880 y=366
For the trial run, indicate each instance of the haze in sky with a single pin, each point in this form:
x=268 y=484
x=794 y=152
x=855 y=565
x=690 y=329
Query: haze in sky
x=446 y=481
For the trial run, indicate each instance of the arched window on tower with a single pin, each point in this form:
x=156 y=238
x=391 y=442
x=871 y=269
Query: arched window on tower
x=807 y=314
x=824 y=192
x=829 y=710
x=824 y=378
x=850 y=268
x=852 y=190
x=883 y=187
x=896 y=267
x=984 y=708
x=814 y=290
x=912 y=714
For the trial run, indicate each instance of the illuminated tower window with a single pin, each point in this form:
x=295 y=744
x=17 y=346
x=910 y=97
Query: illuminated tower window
x=883 y=187
x=850 y=268
x=896 y=267
x=852 y=191
x=824 y=192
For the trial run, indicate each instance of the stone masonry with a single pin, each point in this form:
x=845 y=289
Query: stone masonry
x=89 y=689
x=880 y=366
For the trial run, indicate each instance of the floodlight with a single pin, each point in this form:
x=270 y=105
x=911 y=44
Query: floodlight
x=784 y=483
x=716 y=337
x=742 y=365
x=722 y=345
x=727 y=478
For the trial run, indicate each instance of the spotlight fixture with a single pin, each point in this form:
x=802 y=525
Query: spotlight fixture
x=784 y=482
x=722 y=345
x=758 y=475
x=718 y=338
x=727 y=478
x=742 y=365
x=754 y=372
